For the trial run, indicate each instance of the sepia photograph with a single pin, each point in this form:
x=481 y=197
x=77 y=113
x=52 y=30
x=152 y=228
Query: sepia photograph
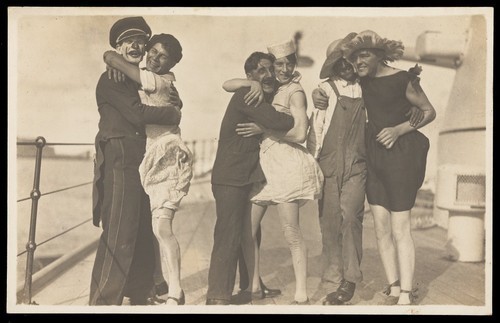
x=218 y=160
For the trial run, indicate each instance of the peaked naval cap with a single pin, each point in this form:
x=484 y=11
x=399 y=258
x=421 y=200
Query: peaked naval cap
x=128 y=27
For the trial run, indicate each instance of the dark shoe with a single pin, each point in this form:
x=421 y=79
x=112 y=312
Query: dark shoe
x=214 y=301
x=306 y=302
x=155 y=300
x=342 y=295
x=161 y=289
x=181 y=300
x=245 y=297
x=139 y=301
x=268 y=292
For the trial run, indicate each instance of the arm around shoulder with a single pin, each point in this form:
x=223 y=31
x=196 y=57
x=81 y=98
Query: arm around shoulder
x=125 y=98
x=264 y=114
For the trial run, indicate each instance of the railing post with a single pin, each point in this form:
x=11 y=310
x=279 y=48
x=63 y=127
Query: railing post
x=35 y=196
x=195 y=158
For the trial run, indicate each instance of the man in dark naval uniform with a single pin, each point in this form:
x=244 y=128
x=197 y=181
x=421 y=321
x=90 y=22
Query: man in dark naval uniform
x=235 y=169
x=124 y=262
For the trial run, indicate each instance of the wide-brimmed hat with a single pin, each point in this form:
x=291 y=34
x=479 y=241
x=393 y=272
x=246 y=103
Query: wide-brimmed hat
x=368 y=39
x=128 y=27
x=334 y=52
x=282 y=49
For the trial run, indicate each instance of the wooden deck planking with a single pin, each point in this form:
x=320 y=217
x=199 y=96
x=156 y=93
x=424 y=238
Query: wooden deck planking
x=440 y=281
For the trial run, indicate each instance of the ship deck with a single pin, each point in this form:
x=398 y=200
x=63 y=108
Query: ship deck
x=444 y=285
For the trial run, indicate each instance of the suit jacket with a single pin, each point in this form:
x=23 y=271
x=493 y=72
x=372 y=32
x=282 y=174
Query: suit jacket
x=237 y=159
x=122 y=115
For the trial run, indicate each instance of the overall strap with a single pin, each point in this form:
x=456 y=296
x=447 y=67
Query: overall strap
x=334 y=87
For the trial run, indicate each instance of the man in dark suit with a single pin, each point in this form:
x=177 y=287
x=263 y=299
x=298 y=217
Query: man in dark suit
x=235 y=170
x=124 y=261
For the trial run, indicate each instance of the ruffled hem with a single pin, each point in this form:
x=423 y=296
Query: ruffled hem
x=166 y=170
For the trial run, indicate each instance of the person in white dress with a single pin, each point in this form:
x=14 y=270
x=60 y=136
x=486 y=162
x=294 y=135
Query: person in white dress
x=292 y=174
x=166 y=169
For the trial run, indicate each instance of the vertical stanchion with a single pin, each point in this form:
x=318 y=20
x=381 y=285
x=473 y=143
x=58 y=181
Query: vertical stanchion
x=31 y=245
x=195 y=158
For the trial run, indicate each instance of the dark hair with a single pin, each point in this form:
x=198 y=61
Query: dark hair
x=253 y=60
x=170 y=43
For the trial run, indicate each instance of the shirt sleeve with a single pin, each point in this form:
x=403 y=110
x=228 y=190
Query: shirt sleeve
x=314 y=138
x=125 y=98
x=148 y=80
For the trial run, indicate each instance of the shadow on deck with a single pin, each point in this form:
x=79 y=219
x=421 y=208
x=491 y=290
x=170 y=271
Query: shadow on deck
x=444 y=286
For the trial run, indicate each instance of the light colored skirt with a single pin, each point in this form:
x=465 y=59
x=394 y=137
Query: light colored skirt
x=292 y=174
x=166 y=171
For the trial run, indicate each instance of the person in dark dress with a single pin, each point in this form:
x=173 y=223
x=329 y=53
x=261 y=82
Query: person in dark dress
x=396 y=153
x=337 y=140
x=236 y=169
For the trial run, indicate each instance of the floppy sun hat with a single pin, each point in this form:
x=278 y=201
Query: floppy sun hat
x=368 y=39
x=334 y=52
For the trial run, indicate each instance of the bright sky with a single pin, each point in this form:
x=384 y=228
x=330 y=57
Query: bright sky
x=56 y=57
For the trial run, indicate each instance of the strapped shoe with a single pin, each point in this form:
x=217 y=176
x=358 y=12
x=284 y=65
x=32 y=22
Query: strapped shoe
x=412 y=294
x=390 y=299
x=181 y=300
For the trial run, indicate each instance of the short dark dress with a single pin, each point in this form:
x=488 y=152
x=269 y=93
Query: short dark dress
x=394 y=175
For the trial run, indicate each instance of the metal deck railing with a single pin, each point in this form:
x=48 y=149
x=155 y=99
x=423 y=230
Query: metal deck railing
x=203 y=153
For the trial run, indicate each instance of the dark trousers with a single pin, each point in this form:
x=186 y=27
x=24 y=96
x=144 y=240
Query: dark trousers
x=232 y=205
x=341 y=210
x=124 y=261
x=242 y=266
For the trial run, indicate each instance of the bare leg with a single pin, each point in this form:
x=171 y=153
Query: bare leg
x=169 y=248
x=250 y=245
x=401 y=228
x=289 y=217
x=385 y=244
x=158 y=274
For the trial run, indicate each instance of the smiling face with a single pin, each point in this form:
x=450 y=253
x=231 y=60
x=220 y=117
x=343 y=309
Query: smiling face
x=158 y=60
x=284 y=68
x=132 y=49
x=366 y=62
x=263 y=74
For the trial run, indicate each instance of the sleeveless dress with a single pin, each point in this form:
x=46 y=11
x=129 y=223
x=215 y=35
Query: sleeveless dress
x=292 y=173
x=166 y=169
x=394 y=175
